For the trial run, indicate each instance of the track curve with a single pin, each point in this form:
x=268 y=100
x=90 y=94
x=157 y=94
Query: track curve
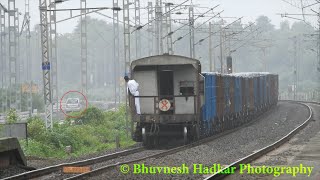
x=263 y=151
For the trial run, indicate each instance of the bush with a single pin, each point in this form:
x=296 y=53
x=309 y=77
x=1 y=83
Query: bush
x=12 y=116
x=40 y=149
x=92 y=115
x=36 y=129
x=94 y=132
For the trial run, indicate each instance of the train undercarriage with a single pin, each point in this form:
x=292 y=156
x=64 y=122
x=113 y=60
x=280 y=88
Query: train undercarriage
x=149 y=133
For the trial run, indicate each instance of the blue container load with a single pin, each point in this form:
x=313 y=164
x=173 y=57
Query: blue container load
x=209 y=110
x=261 y=89
x=226 y=80
x=256 y=93
x=237 y=95
x=268 y=88
x=247 y=93
x=265 y=90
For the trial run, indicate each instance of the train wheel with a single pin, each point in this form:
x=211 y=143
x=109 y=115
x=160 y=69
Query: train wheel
x=144 y=136
x=155 y=141
x=195 y=132
x=148 y=141
x=185 y=135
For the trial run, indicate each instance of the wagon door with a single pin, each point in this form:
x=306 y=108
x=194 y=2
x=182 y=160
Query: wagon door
x=166 y=90
x=147 y=87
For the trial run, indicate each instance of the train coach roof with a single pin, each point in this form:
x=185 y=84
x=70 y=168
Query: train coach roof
x=242 y=74
x=211 y=73
x=251 y=74
x=165 y=60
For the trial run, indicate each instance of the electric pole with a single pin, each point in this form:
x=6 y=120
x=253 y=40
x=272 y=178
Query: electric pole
x=13 y=66
x=168 y=29
x=295 y=74
x=318 y=68
x=161 y=26
x=84 y=63
x=221 y=53
x=191 y=31
x=3 y=58
x=53 y=54
x=46 y=62
x=137 y=25
x=28 y=56
x=159 y=43
x=150 y=29
x=126 y=39
x=19 y=63
x=211 y=69
x=116 y=52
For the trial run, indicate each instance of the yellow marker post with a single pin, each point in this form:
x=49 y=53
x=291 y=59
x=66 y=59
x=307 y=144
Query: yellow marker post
x=76 y=170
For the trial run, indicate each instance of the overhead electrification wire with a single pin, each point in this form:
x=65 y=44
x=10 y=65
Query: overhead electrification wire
x=246 y=42
x=243 y=31
x=201 y=40
x=245 y=36
x=194 y=20
x=196 y=27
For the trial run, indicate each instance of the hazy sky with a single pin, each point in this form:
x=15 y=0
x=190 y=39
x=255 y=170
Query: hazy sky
x=250 y=9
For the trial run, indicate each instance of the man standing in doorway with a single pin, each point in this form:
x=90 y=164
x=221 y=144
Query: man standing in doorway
x=133 y=89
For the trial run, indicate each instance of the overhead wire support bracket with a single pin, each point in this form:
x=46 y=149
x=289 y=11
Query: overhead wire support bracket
x=160 y=16
x=194 y=20
x=197 y=27
x=86 y=9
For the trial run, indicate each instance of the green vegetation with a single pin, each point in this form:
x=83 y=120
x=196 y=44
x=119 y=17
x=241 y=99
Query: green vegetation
x=94 y=132
x=12 y=116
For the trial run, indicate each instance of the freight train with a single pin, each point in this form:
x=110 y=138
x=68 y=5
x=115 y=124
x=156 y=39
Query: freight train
x=177 y=99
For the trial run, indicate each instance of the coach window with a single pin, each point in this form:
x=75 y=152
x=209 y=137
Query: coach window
x=186 y=88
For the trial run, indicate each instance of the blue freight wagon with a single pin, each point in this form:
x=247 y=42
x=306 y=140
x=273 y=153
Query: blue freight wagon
x=238 y=95
x=209 y=110
x=261 y=90
x=256 y=92
x=177 y=99
x=227 y=100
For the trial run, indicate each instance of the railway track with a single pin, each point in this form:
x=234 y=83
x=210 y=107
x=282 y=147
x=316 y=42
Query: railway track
x=265 y=150
x=51 y=169
x=96 y=171
x=91 y=162
x=102 y=169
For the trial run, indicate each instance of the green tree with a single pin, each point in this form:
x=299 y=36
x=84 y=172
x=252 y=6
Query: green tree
x=264 y=23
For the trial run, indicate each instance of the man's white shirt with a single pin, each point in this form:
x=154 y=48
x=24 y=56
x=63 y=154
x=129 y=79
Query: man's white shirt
x=133 y=86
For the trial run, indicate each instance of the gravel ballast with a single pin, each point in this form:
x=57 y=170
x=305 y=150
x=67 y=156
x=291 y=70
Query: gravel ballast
x=270 y=127
x=45 y=162
x=39 y=163
x=285 y=154
x=10 y=171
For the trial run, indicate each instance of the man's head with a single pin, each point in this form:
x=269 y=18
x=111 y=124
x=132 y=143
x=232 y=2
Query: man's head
x=126 y=78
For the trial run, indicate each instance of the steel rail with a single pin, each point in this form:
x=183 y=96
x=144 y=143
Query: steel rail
x=58 y=167
x=101 y=170
x=265 y=150
x=50 y=169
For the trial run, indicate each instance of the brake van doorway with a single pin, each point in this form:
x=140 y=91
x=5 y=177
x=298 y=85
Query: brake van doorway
x=166 y=90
